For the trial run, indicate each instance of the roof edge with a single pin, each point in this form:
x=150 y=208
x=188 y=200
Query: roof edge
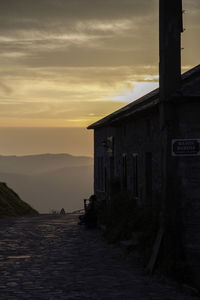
x=138 y=102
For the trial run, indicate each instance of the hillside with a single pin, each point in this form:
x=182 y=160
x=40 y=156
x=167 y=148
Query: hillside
x=11 y=204
x=49 y=182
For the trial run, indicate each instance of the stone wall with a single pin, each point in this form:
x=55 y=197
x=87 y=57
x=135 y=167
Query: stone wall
x=139 y=135
x=189 y=188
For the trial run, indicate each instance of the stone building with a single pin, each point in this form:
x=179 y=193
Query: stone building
x=127 y=143
x=152 y=145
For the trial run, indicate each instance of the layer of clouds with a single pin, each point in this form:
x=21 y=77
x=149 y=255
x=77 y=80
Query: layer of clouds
x=63 y=59
x=62 y=10
x=75 y=33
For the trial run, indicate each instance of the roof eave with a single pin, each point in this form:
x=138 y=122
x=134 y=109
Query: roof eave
x=139 y=104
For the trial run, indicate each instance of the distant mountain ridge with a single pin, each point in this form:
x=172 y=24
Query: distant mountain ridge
x=49 y=181
x=31 y=164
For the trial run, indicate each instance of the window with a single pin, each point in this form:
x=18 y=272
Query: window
x=124 y=172
x=135 y=175
x=100 y=173
x=124 y=130
x=148 y=128
x=148 y=175
x=110 y=146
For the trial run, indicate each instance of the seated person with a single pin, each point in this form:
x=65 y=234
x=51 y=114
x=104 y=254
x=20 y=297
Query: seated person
x=90 y=216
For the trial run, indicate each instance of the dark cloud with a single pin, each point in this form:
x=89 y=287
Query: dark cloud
x=74 y=9
x=85 y=32
x=24 y=17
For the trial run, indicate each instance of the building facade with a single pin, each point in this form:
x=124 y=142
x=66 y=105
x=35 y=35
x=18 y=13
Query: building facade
x=128 y=148
x=151 y=147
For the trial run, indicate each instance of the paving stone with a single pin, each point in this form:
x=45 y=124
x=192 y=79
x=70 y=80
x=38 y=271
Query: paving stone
x=51 y=257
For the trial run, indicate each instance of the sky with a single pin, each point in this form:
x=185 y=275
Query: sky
x=68 y=63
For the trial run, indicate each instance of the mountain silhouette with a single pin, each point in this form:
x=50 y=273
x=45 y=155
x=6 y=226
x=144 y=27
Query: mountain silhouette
x=49 y=181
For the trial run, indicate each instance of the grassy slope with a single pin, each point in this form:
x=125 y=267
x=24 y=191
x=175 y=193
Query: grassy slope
x=11 y=204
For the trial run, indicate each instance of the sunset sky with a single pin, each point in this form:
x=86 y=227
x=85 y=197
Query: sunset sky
x=67 y=63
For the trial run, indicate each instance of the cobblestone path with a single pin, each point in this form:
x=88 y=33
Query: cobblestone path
x=51 y=257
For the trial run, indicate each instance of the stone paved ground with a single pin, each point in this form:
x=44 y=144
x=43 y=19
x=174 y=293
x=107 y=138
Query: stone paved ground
x=51 y=257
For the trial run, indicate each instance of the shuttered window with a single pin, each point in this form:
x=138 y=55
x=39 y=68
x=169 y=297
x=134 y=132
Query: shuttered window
x=100 y=173
x=135 y=175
